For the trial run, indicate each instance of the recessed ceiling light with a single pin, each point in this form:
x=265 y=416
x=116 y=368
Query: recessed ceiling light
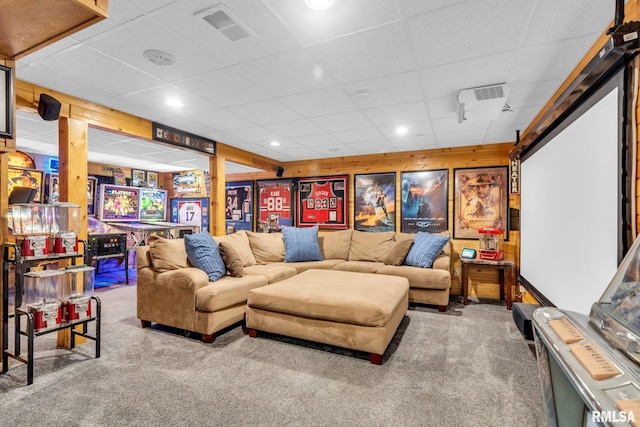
x=333 y=149
x=274 y=144
x=173 y=102
x=318 y=4
x=402 y=130
x=363 y=94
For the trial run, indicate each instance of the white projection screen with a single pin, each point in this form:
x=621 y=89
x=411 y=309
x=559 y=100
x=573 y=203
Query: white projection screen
x=570 y=208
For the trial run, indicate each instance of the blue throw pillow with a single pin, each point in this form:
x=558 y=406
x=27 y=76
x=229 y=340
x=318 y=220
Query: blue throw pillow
x=203 y=253
x=301 y=244
x=426 y=247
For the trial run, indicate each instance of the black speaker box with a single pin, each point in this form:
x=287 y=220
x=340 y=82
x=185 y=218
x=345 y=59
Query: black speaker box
x=49 y=107
x=280 y=171
x=523 y=315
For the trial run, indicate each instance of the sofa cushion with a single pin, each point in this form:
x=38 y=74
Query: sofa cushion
x=398 y=252
x=203 y=253
x=167 y=254
x=418 y=277
x=335 y=244
x=266 y=247
x=231 y=259
x=273 y=272
x=367 y=246
x=240 y=242
x=227 y=292
x=301 y=244
x=327 y=264
x=359 y=266
x=426 y=247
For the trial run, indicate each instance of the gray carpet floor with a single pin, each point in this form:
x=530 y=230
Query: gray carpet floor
x=468 y=367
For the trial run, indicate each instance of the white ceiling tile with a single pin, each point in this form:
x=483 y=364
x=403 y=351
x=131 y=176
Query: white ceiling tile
x=380 y=146
x=388 y=90
x=286 y=73
x=342 y=18
x=254 y=134
x=338 y=150
x=342 y=121
x=418 y=142
x=295 y=128
x=448 y=79
x=266 y=112
x=366 y=55
x=358 y=135
x=413 y=129
x=456 y=33
x=451 y=124
x=317 y=140
x=220 y=119
x=396 y=115
x=224 y=88
x=320 y=102
x=557 y=20
x=412 y=7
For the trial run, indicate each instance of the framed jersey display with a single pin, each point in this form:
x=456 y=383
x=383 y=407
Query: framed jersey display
x=191 y=211
x=275 y=204
x=239 y=205
x=323 y=201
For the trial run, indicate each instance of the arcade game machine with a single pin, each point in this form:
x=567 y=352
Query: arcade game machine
x=106 y=242
x=119 y=206
x=590 y=365
x=153 y=211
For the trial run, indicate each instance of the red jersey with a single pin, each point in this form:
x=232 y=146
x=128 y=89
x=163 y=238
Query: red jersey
x=322 y=205
x=276 y=199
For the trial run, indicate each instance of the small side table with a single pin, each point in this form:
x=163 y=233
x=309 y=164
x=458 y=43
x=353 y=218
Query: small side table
x=506 y=270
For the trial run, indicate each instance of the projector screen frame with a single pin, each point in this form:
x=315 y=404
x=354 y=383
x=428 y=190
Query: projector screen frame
x=600 y=76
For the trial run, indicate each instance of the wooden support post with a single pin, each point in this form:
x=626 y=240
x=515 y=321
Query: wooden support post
x=217 y=202
x=73 y=174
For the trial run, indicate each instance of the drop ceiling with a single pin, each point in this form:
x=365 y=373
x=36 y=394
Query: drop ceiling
x=322 y=84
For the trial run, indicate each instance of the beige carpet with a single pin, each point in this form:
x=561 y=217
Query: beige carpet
x=468 y=367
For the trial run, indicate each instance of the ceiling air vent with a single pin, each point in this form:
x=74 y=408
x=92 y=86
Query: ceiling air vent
x=226 y=23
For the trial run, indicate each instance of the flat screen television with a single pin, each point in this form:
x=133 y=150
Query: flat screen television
x=153 y=204
x=118 y=203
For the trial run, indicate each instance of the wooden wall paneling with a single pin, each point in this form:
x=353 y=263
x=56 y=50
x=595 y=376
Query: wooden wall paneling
x=449 y=158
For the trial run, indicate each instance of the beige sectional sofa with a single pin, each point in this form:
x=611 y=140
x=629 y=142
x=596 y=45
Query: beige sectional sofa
x=172 y=293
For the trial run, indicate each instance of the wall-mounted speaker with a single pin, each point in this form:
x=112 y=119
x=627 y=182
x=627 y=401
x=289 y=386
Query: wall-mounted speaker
x=279 y=171
x=48 y=107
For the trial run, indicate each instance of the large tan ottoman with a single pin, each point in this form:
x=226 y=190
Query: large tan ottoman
x=359 y=311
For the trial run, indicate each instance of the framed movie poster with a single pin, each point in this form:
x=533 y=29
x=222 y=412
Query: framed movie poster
x=92 y=186
x=27 y=178
x=52 y=188
x=137 y=177
x=425 y=201
x=152 y=179
x=374 y=202
x=239 y=205
x=481 y=199
x=323 y=201
x=275 y=204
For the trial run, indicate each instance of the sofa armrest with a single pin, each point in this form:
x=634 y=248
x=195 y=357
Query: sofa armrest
x=185 y=278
